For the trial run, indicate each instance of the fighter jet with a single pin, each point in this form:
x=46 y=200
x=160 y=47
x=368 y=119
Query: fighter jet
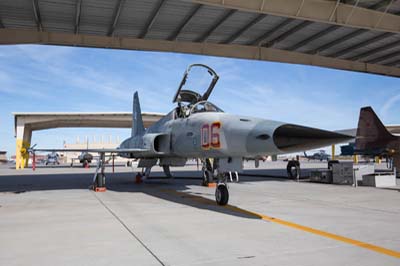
x=196 y=128
x=84 y=158
x=52 y=158
x=374 y=139
x=318 y=156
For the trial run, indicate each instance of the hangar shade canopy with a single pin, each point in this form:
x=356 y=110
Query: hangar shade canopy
x=350 y=35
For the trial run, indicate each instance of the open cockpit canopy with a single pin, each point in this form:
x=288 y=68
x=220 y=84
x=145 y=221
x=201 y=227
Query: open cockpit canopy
x=192 y=91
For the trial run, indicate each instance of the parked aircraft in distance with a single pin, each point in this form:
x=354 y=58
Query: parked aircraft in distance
x=196 y=128
x=52 y=158
x=319 y=156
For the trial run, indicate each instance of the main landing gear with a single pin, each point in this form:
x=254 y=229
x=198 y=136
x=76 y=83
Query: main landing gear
x=140 y=177
x=99 y=179
x=208 y=172
x=221 y=188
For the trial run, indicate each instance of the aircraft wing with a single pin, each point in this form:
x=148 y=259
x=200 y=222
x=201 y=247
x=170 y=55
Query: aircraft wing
x=91 y=150
x=350 y=132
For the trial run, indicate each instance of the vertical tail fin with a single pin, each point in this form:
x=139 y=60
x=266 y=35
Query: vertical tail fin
x=371 y=133
x=137 y=121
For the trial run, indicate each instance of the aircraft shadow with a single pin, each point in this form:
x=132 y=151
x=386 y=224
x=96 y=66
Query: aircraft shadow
x=175 y=190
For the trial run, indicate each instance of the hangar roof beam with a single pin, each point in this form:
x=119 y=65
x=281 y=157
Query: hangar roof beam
x=384 y=57
x=184 y=22
x=287 y=33
x=36 y=13
x=151 y=19
x=47 y=120
x=179 y=25
x=214 y=26
x=11 y=36
x=329 y=29
x=338 y=41
x=317 y=11
x=117 y=12
x=77 y=16
x=314 y=37
x=378 y=49
x=362 y=44
x=242 y=30
x=268 y=33
x=382 y=3
x=393 y=63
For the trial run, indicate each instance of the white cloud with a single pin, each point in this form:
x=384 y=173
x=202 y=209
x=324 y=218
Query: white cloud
x=384 y=111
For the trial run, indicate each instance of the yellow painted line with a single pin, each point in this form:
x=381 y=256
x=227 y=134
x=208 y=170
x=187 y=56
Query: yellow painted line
x=347 y=240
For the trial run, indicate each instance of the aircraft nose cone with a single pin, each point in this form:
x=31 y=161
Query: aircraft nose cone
x=294 y=138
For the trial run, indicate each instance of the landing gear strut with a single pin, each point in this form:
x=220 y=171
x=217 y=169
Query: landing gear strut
x=208 y=175
x=99 y=179
x=140 y=177
x=167 y=171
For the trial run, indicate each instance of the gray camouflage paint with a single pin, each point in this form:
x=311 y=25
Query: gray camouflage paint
x=239 y=136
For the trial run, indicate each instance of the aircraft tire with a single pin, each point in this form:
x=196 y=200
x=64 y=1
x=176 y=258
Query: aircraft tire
x=293 y=169
x=222 y=195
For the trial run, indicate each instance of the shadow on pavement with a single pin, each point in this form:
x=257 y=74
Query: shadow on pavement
x=175 y=190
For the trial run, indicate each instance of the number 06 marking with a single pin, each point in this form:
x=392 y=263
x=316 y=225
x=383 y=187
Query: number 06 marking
x=210 y=136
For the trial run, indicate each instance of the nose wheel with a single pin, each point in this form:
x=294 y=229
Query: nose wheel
x=222 y=194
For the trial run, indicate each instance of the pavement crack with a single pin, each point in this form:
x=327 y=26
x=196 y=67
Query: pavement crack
x=129 y=230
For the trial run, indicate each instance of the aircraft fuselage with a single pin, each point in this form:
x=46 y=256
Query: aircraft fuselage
x=219 y=135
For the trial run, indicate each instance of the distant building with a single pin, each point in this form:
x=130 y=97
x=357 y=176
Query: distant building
x=3 y=157
x=100 y=142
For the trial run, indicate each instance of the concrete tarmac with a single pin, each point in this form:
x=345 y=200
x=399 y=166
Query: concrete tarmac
x=50 y=217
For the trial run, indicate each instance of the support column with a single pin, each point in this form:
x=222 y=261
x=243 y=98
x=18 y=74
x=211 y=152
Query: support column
x=23 y=142
x=333 y=152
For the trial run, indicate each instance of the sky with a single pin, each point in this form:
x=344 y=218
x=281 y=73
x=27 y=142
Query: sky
x=39 y=78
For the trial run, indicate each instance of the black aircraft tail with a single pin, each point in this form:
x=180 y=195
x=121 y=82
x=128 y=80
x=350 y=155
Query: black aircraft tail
x=137 y=121
x=372 y=135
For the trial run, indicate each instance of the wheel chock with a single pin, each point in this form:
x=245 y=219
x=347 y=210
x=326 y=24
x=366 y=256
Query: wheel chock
x=100 y=189
x=213 y=184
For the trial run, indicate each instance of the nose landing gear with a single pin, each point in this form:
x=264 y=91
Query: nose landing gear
x=222 y=192
x=213 y=170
